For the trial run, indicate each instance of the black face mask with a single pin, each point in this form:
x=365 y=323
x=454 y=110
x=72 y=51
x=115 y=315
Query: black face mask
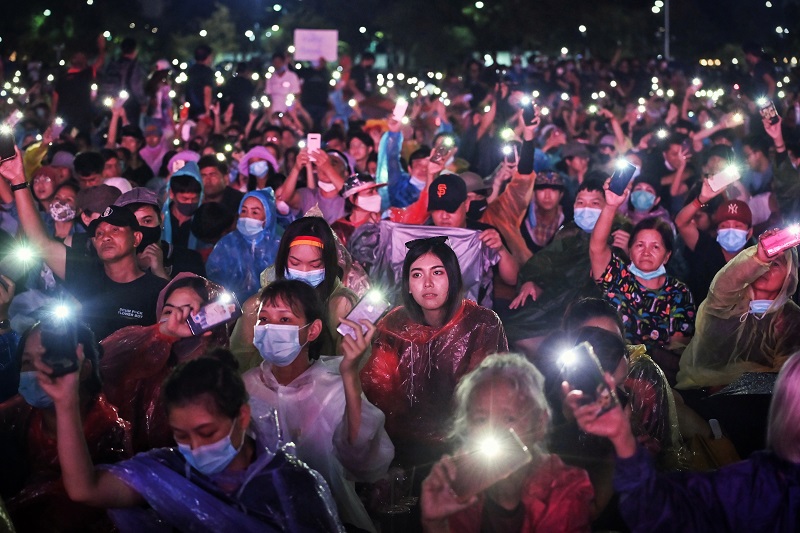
x=186 y=209
x=476 y=209
x=603 y=158
x=149 y=236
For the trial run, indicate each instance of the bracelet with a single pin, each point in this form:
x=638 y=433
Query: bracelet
x=699 y=204
x=19 y=186
x=779 y=148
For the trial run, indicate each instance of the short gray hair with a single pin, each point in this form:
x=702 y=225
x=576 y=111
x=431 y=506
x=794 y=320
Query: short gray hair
x=783 y=429
x=510 y=367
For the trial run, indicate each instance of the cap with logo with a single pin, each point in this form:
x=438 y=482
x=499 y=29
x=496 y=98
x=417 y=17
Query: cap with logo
x=116 y=216
x=447 y=193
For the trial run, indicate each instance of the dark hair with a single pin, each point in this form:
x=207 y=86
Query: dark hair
x=211 y=220
x=88 y=163
x=584 y=309
x=610 y=349
x=184 y=183
x=438 y=247
x=214 y=376
x=757 y=143
x=591 y=185
x=361 y=136
x=197 y=284
x=108 y=154
x=279 y=55
x=202 y=52
x=334 y=132
x=368 y=56
x=138 y=205
x=303 y=300
x=314 y=227
x=69 y=184
x=92 y=352
x=658 y=225
x=212 y=161
x=128 y=45
x=419 y=153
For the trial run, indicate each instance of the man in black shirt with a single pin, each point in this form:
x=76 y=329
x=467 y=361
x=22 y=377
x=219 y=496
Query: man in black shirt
x=200 y=83
x=361 y=77
x=315 y=92
x=137 y=171
x=111 y=289
x=72 y=94
x=216 y=184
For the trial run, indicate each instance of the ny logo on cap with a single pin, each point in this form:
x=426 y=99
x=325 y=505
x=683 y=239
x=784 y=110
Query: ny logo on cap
x=441 y=190
x=108 y=211
x=733 y=209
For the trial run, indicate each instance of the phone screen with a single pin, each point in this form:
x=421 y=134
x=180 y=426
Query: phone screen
x=581 y=369
x=7 y=145
x=225 y=309
x=782 y=240
x=371 y=307
x=623 y=173
x=487 y=460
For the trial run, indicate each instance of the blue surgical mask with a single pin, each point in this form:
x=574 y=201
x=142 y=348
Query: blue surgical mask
x=212 y=458
x=643 y=200
x=249 y=227
x=32 y=392
x=278 y=344
x=639 y=273
x=312 y=277
x=759 y=307
x=258 y=169
x=731 y=239
x=586 y=218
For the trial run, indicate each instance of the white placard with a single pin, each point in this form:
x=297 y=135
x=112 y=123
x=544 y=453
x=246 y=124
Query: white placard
x=310 y=45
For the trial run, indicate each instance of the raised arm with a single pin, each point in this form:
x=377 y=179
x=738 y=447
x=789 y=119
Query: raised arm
x=53 y=252
x=82 y=482
x=599 y=250
x=684 y=220
x=288 y=189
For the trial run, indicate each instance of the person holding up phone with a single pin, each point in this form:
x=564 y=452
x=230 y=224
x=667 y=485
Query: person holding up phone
x=505 y=392
x=751 y=495
x=330 y=169
x=319 y=403
x=748 y=323
x=31 y=483
x=657 y=309
x=137 y=359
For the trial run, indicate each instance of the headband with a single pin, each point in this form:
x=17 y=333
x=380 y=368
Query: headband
x=307 y=240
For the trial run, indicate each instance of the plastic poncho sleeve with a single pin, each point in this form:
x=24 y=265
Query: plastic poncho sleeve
x=415 y=213
x=401 y=192
x=236 y=263
x=729 y=291
x=367 y=458
x=506 y=213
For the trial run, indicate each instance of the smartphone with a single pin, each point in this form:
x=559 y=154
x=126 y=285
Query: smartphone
x=722 y=179
x=15 y=266
x=58 y=127
x=510 y=154
x=440 y=152
x=313 y=143
x=225 y=309
x=7 y=144
x=768 y=111
x=786 y=238
x=581 y=368
x=400 y=109
x=60 y=341
x=623 y=173
x=371 y=307
x=488 y=460
x=529 y=113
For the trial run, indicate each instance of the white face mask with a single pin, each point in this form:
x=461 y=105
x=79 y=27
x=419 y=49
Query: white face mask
x=369 y=203
x=326 y=186
x=278 y=344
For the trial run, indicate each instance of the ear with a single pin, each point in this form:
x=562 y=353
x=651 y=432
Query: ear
x=171 y=194
x=137 y=238
x=315 y=330
x=750 y=233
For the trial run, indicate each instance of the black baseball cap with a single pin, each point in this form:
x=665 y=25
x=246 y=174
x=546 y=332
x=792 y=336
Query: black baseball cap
x=116 y=216
x=447 y=193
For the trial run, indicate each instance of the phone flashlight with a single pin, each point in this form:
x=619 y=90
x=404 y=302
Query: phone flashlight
x=123 y=94
x=662 y=134
x=592 y=109
x=447 y=141
x=697 y=82
x=225 y=298
x=374 y=295
x=5 y=129
x=108 y=101
x=544 y=111
x=488 y=446
x=220 y=157
x=709 y=124
x=507 y=134
x=525 y=101
x=762 y=101
x=61 y=312
x=352 y=102
x=737 y=117
x=254 y=104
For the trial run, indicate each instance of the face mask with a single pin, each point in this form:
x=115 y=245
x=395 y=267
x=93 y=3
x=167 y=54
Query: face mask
x=639 y=273
x=369 y=203
x=476 y=209
x=586 y=218
x=759 y=307
x=249 y=227
x=278 y=344
x=603 y=158
x=731 y=239
x=149 y=236
x=259 y=169
x=325 y=186
x=186 y=209
x=32 y=392
x=312 y=277
x=419 y=184
x=62 y=212
x=643 y=200
x=212 y=458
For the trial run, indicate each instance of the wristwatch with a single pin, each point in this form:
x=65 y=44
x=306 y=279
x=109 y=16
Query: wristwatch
x=19 y=186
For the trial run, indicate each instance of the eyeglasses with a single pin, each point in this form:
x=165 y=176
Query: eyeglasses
x=428 y=241
x=42 y=179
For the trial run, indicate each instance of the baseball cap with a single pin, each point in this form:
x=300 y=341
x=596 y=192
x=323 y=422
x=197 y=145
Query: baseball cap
x=574 y=149
x=152 y=129
x=548 y=179
x=116 y=216
x=138 y=195
x=359 y=182
x=473 y=182
x=447 y=193
x=734 y=210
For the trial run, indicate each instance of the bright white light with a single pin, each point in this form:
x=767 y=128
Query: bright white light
x=275 y=27
x=582 y=28
x=564 y=51
x=277 y=7
x=489 y=446
x=478 y=5
x=61 y=311
x=656 y=10
x=47 y=13
x=779 y=29
x=203 y=33
x=564 y=96
x=362 y=29
x=662 y=134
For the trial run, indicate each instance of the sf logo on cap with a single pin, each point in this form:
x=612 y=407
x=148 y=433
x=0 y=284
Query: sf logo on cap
x=441 y=190
x=733 y=209
x=108 y=211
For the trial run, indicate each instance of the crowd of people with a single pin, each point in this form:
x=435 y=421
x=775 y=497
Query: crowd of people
x=298 y=299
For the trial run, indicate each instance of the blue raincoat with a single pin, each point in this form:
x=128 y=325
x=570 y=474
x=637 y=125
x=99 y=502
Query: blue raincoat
x=189 y=169
x=237 y=260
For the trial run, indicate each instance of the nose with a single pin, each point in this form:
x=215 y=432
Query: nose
x=428 y=281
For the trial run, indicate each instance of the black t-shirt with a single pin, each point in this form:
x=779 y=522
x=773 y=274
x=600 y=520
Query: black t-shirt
x=107 y=305
x=704 y=263
x=198 y=77
x=239 y=91
x=181 y=232
x=75 y=98
x=362 y=77
x=315 y=86
x=139 y=175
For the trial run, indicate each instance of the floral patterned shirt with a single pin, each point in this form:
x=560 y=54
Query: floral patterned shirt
x=650 y=316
